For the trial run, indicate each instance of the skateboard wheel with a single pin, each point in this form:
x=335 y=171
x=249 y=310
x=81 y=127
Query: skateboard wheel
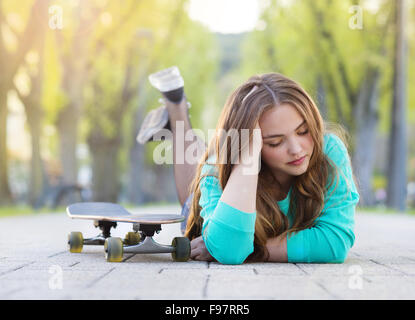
x=113 y=249
x=75 y=242
x=182 y=249
x=132 y=238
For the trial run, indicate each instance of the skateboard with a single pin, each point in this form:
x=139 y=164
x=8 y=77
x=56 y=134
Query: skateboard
x=106 y=215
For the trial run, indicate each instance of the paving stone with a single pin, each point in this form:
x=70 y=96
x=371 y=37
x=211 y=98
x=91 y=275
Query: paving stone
x=370 y=287
x=264 y=287
x=348 y=268
x=154 y=285
x=276 y=269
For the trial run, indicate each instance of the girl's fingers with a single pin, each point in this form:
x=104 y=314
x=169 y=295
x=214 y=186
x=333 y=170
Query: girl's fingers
x=195 y=242
x=195 y=252
x=202 y=257
x=199 y=251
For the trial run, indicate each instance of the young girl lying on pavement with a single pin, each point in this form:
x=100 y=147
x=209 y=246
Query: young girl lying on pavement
x=289 y=197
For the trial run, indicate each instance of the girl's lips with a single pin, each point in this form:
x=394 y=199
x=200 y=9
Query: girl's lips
x=297 y=162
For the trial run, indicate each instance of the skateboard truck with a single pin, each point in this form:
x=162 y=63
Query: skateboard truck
x=148 y=245
x=114 y=247
x=105 y=227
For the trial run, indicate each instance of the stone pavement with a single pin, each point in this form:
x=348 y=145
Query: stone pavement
x=35 y=264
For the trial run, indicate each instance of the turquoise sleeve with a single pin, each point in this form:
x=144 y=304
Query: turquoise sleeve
x=228 y=233
x=332 y=236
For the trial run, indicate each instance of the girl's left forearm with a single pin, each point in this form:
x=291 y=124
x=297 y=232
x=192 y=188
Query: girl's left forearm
x=277 y=249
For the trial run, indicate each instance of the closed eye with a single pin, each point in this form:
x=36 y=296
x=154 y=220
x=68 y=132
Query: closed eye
x=273 y=145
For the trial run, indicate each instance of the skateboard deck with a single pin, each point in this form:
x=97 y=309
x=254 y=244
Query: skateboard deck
x=106 y=211
x=106 y=215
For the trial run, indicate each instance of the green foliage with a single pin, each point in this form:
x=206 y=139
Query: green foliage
x=305 y=40
x=8 y=211
x=53 y=97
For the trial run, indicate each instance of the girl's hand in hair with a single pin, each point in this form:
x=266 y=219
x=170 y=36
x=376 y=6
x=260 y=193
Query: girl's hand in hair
x=199 y=251
x=255 y=145
x=250 y=157
x=257 y=138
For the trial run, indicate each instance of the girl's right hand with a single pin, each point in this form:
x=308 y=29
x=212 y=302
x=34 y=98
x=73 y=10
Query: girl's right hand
x=250 y=157
x=257 y=138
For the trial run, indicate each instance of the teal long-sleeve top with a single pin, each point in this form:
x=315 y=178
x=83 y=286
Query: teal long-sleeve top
x=228 y=233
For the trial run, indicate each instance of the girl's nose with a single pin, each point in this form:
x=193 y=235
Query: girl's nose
x=294 y=147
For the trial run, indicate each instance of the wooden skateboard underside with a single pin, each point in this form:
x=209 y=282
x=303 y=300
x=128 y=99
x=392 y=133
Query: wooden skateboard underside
x=105 y=211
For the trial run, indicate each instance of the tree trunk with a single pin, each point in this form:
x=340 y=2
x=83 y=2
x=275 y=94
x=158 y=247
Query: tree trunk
x=396 y=190
x=9 y=65
x=105 y=168
x=5 y=194
x=135 y=192
x=67 y=126
x=36 y=167
x=75 y=68
x=365 y=140
x=321 y=98
x=135 y=177
x=164 y=184
x=68 y=118
x=34 y=114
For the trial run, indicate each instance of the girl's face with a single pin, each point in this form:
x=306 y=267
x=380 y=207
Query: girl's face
x=287 y=143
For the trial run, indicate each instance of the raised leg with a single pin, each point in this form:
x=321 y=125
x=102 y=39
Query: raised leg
x=184 y=171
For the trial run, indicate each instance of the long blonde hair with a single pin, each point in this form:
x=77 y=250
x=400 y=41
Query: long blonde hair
x=308 y=190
